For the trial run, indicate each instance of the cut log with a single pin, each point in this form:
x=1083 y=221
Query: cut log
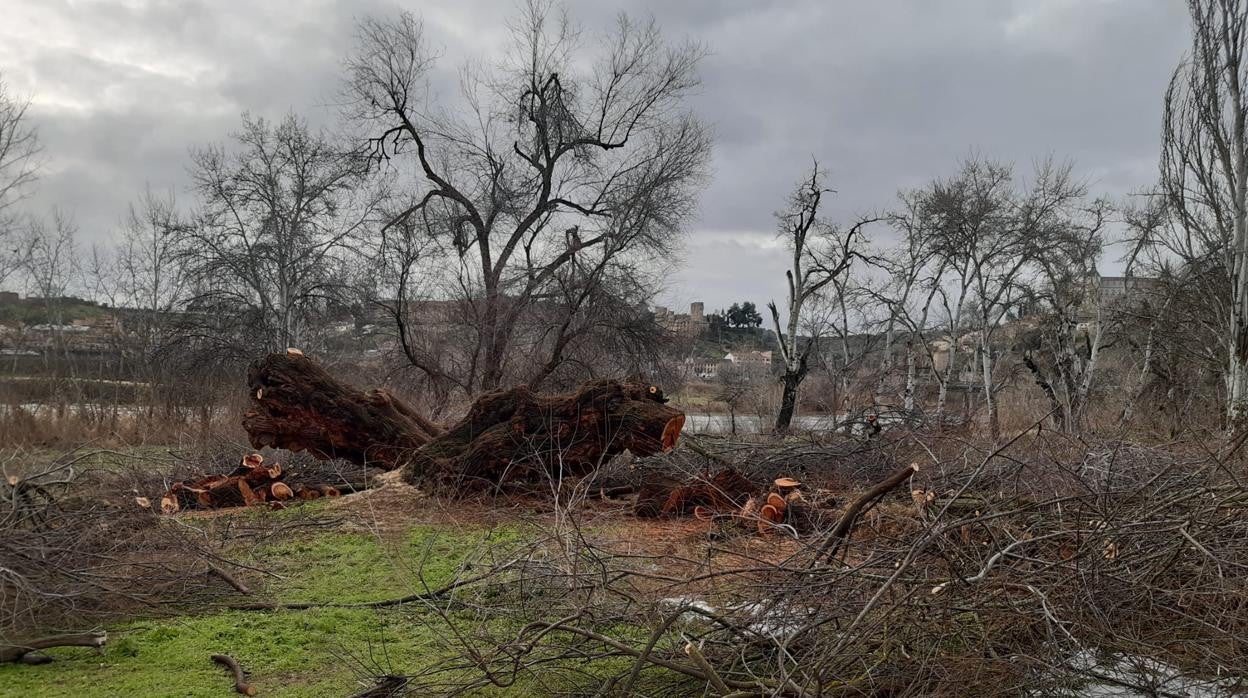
x=240 y=680
x=768 y=516
x=507 y=436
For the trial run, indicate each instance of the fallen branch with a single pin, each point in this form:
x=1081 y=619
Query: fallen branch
x=693 y=653
x=229 y=579
x=240 y=681
x=860 y=505
x=15 y=652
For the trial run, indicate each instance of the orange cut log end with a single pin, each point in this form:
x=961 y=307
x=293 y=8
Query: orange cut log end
x=169 y=504
x=767 y=517
x=671 y=432
x=777 y=502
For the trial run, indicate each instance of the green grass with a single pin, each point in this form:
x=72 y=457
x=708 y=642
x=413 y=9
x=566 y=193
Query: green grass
x=356 y=567
x=289 y=653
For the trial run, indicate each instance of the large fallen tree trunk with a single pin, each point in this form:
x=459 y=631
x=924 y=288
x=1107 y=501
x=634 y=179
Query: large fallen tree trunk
x=298 y=406
x=507 y=436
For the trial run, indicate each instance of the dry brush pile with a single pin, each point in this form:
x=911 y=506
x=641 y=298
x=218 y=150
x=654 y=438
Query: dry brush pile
x=77 y=554
x=1047 y=565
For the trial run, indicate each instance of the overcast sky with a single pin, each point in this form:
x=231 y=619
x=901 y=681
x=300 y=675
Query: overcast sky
x=886 y=93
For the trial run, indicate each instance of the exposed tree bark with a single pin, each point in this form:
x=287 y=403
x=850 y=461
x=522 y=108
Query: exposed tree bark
x=517 y=435
x=297 y=405
x=507 y=436
x=665 y=497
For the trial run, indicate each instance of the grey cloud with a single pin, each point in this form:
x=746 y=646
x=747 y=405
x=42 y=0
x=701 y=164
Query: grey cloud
x=886 y=94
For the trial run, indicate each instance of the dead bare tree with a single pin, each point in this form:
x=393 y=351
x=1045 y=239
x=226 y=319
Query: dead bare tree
x=149 y=269
x=1204 y=172
x=554 y=159
x=821 y=254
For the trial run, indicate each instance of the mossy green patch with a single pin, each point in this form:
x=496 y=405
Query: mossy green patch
x=316 y=652
x=289 y=653
x=358 y=567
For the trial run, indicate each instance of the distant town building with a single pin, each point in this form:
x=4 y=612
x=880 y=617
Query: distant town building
x=705 y=368
x=1105 y=292
x=750 y=361
x=691 y=324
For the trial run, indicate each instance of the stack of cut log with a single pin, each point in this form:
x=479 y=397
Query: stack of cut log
x=250 y=484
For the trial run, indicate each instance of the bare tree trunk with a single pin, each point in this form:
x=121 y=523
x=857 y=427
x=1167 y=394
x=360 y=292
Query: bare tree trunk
x=788 y=401
x=990 y=403
x=1238 y=373
x=1046 y=386
x=911 y=378
x=942 y=395
x=1085 y=384
x=1146 y=366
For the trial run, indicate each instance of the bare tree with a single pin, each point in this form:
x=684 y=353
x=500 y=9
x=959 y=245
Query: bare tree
x=552 y=158
x=990 y=233
x=1204 y=171
x=149 y=266
x=915 y=278
x=1075 y=324
x=275 y=218
x=51 y=264
x=821 y=254
x=733 y=387
x=50 y=256
x=19 y=160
